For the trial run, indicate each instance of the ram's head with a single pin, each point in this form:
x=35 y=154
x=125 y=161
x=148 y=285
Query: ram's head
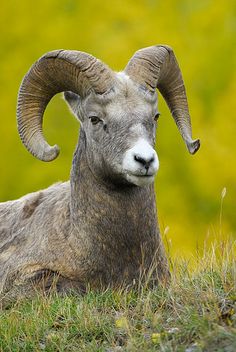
x=117 y=111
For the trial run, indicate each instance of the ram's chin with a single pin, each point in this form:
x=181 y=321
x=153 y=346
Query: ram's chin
x=140 y=181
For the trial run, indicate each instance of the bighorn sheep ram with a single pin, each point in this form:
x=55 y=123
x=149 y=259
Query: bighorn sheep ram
x=100 y=229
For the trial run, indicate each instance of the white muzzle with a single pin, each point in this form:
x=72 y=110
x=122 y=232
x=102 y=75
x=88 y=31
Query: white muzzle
x=140 y=163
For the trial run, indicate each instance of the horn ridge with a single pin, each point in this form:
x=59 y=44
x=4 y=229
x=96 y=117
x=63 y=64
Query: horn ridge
x=56 y=71
x=157 y=67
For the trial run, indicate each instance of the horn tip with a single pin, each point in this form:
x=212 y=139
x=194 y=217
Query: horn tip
x=193 y=146
x=49 y=153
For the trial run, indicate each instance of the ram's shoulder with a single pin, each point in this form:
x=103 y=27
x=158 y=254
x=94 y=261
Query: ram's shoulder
x=25 y=206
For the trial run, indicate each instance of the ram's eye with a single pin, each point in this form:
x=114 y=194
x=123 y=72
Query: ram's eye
x=156 y=117
x=94 y=119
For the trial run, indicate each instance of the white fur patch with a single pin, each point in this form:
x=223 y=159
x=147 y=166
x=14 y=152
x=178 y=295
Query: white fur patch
x=134 y=170
x=140 y=181
x=122 y=76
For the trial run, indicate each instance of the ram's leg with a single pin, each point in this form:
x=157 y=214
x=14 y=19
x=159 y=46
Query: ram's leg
x=43 y=282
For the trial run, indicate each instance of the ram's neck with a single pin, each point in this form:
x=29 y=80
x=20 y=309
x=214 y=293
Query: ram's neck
x=99 y=207
x=116 y=227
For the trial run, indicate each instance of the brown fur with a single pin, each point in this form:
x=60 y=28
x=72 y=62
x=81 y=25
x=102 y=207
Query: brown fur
x=31 y=205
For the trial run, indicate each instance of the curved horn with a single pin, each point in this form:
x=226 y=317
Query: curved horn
x=56 y=71
x=156 y=67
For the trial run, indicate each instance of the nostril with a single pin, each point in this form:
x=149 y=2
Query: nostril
x=145 y=162
x=140 y=160
x=151 y=160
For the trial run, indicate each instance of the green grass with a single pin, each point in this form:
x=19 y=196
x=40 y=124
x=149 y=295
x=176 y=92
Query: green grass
x=197 y=312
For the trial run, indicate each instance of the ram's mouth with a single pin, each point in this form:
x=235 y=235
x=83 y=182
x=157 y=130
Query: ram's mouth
x=139 y=179
x=142 y=175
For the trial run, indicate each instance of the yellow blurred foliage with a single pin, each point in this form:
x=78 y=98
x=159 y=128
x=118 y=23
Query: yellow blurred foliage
x=203 y=35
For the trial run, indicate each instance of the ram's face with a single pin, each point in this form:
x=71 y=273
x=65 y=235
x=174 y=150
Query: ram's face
x=120 y=133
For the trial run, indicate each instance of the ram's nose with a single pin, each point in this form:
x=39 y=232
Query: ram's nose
x=145 y=161
x=141 y=159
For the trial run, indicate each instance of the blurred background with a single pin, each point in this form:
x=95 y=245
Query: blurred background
x=190 y=189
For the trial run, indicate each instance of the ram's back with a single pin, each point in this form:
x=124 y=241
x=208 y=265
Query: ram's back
x=29 y=210
x=31 y=227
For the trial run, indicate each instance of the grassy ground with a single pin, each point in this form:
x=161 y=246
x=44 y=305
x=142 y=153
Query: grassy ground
x=196 y=313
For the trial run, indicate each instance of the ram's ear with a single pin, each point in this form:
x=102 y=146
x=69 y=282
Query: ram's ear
x=73 y=100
